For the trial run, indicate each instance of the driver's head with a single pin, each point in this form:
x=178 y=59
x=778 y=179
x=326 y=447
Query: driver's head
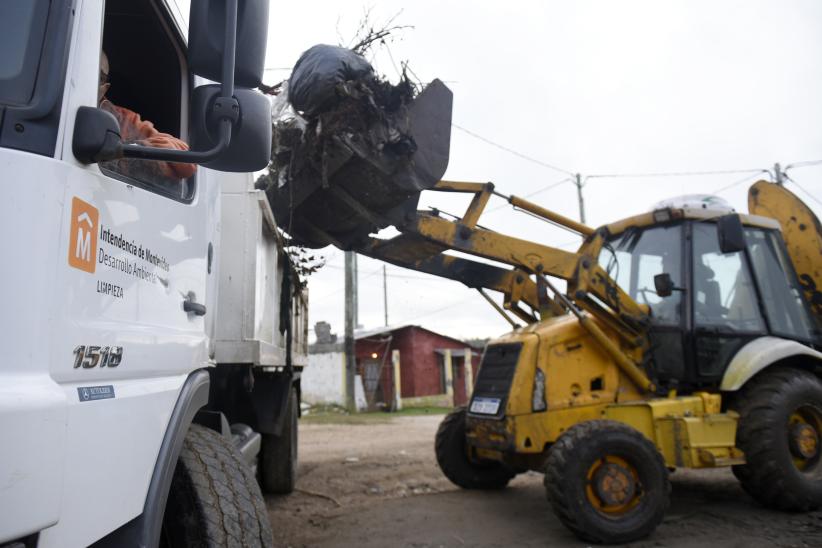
x=103 y=83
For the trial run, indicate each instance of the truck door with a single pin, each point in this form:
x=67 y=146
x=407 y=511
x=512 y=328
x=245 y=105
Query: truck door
x=132 y=268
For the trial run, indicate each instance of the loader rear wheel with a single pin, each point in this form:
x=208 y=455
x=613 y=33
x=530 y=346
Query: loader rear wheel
x=278 y=456
x=606 y=482
x=779 y=431
x=214 y=499
x=452 y=456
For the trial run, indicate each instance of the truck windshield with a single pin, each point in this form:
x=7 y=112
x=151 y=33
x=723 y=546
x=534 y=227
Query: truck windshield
x=22 y=29
x=633 y=259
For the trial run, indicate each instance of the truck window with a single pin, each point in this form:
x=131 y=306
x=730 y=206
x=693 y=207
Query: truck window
x=22 y=24
x=782 y=299
x=145 y=86
x=723 y=292
x=636 y=256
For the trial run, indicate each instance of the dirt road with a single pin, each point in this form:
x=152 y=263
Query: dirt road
x=377 y=484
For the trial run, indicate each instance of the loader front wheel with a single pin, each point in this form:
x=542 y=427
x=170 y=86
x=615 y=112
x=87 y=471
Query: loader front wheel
x=607 y=482
x=779 y=431
x=214 y=498
x=452 y=456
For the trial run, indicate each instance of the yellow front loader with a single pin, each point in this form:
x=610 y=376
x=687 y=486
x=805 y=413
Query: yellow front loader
x=688 y=336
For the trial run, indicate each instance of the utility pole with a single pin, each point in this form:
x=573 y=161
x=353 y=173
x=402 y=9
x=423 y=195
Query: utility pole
x=356 y=291
x=777 y=169
x=385 y=294
x=578 y=183
x=350 y=357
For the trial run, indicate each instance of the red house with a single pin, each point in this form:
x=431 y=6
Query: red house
x=423 y=357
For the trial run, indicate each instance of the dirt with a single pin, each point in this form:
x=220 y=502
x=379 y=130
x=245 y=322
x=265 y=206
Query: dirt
x=377 y=484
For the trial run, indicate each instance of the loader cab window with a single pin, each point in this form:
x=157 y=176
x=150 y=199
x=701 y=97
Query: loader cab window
x=636 y=256
x=724 y=294
x=146 y=89
x=781 y=298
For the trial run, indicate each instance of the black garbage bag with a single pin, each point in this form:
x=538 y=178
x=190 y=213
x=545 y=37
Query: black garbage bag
x=318 y=72
x=358 y=164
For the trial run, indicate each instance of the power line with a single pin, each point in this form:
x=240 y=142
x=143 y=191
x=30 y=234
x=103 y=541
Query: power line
x=738 y=182
x=803 y=164
x=800 y=187
x=446 y=307
x=538 y=191
x=512 y=151
x=673 y=173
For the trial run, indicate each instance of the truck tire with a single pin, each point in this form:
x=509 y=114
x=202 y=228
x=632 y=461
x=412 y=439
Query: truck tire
x=453 y=460
x=779 y=429
x=214 y=498
x=607 y=482
x=278 y=457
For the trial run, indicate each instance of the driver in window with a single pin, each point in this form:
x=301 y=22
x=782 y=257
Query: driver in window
x=133 y=129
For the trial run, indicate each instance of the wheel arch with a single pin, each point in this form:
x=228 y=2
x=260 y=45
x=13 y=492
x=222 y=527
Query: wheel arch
x=764 y=352
x=144 y=530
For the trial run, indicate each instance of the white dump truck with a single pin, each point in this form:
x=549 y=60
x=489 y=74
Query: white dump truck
x=153 y=329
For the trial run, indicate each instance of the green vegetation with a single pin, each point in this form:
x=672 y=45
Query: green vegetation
x=332 y=414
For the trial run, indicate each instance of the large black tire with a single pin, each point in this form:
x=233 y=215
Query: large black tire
x=593 y=453
x=453 y=459
x=771 y=405
x=278 y=457
x=214 y=500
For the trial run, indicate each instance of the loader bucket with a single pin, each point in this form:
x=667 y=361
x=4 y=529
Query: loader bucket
x=361 y=181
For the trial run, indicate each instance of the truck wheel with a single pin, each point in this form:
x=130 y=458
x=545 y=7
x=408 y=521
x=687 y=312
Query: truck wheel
x=452 y=456
x=214 y=499
x=779 y=429
x=278 y=457
x=607 y=482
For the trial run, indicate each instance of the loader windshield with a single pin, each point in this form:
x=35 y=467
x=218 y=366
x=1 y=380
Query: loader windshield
x=22 y=28
x=633 y=258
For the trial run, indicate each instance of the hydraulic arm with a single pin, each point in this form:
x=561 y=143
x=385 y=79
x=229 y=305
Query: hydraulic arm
x=426 y=237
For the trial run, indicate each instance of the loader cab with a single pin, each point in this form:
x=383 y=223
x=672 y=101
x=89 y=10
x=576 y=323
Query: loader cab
x=719 y=297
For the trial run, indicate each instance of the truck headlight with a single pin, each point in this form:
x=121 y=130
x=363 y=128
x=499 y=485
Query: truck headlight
x=538 y=395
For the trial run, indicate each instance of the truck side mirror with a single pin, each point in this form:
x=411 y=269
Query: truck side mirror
x=731 y=233
x=663 y=284
x=250 y=147
x=206 y=44
x=215 y=52
x=96 y=136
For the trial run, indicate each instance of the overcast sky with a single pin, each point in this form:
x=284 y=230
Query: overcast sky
x=595 y=87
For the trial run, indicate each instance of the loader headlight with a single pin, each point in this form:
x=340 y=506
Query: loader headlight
x=538 y=395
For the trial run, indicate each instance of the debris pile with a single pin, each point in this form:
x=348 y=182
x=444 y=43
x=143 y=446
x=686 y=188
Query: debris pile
x=351 y=152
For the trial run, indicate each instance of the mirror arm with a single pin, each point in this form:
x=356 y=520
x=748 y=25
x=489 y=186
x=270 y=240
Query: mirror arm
x=184 y=156
x=230 y=47
x=228 y=112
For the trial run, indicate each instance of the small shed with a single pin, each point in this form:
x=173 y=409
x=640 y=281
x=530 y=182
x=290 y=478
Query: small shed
x=421 y=366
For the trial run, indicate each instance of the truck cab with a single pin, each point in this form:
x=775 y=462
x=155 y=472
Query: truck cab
x=111 y=265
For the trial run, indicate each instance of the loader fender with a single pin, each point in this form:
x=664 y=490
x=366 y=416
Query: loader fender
x=144 y=530
x=759 y=354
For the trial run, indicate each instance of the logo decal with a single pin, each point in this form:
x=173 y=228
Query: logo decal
x=92 y=393
x=83 y=235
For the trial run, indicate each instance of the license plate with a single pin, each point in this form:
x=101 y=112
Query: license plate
x=485 y=406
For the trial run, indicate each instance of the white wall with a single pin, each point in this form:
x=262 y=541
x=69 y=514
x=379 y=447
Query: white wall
x=323 y=381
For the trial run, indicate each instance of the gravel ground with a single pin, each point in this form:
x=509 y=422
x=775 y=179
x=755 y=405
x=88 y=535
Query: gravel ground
x=377 y=484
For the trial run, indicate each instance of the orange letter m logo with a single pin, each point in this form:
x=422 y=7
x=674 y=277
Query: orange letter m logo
x=82 y=247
